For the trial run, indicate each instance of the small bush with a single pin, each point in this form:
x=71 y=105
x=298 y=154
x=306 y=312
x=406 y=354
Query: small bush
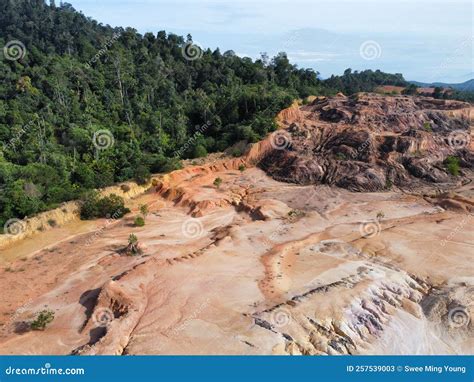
x=139 y=221
x=52 y=222
x=142 y=175
x=133 y=248
x=294 y=214
x=341 y=156
x=380 y=215
x=199 y=151
x=144 y=210
x=452 y=165
x=237 y=151
x=125 y=188
x=242 y=168
x=93 y=206
x=43 y=318
x=217 y=182
x=427 y=126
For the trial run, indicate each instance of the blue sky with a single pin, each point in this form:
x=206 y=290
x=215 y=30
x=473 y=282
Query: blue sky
x=426 y=40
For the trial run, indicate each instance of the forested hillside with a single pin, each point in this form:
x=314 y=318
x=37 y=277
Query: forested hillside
x=83 y=105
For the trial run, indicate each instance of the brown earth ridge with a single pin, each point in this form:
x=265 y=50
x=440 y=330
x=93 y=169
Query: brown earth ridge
x=284 y=257
x=370 y=142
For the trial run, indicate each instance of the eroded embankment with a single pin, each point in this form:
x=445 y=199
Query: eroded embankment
x=58 y=217
x=255 y=266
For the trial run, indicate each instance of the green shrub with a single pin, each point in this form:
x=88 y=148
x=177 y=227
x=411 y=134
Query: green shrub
x=43 y=318
x=199 y=151
x=217 y=182
x=452 y=165
x=133 y=248
x=242 y=168
x=93 y=206
x=139 y=221
x=341 y=156
x=141 y=174
x=294 y=214
x=144 y=210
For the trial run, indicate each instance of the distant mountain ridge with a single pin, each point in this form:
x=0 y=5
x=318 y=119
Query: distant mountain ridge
x=467 y=86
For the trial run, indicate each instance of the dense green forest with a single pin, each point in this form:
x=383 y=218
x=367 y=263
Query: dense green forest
x=83 y=105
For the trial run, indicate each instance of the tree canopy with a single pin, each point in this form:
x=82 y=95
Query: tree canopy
x=84 y=105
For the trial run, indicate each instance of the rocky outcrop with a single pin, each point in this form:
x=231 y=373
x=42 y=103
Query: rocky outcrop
x=369 y=142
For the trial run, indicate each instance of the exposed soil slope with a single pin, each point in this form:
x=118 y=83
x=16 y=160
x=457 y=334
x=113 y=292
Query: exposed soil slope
x=370 y=142
x=259 y=266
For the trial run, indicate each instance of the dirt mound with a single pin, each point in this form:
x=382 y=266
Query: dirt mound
x=370 y=142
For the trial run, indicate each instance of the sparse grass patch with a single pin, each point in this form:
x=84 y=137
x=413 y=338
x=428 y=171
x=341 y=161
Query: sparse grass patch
x=43 y=318
x=293 y=214
x=133 y=248
x=452 y=165
x=217 y=182
x=144 y=210
x=139 y=221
